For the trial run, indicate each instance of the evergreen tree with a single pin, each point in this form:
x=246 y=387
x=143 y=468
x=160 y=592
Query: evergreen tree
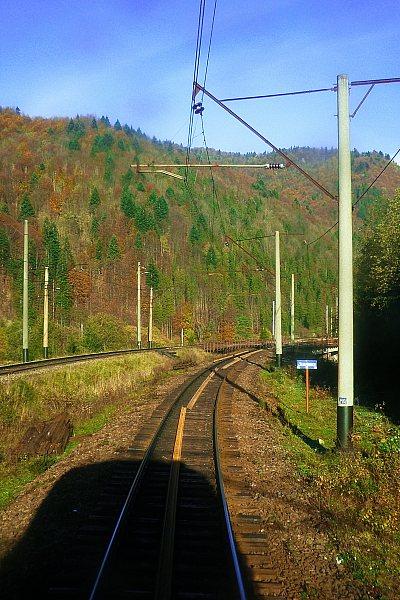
x=5 y=248
x=127 y=203
x=143 y=220
x=105 y=120
x=93 y=124
x=74 y=145
x=51 y=242
x=127 y=177
x=211 y=258
x=138 y=241
x=94 y=198
x=152 y=276
x=94 y=227
x=161 y=209
x=194 y=235
x=64 y=296
x=26 y=209
x=99 y=250
x=71 y=126
x=113 y=249
x=117 y=125
x=109 y=166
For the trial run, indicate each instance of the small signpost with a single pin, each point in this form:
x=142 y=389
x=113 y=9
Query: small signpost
x=306 y=364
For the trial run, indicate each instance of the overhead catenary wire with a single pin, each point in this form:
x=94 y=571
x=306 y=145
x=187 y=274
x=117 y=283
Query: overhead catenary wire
x=329 y=89
x=358 y=199
x=209 y=47
x=200 y=24
x=290 y=161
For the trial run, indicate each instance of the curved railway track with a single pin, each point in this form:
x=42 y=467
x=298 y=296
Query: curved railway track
x=162 y=529
x=9 y=369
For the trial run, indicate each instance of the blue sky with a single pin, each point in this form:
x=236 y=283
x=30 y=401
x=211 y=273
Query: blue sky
x=133 y=60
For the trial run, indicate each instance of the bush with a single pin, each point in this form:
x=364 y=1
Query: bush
x=105 y=332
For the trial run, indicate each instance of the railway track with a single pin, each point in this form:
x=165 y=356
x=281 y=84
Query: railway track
x=162 y=528
x=32 y=365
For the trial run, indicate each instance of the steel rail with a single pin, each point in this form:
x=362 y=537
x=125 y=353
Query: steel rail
x=221 y=487
x=41 y=363
x=50 y=362
x=99 y=580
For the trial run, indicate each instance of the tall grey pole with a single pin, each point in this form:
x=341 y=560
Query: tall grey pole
x=25 y=351
x=151 y=318
x=139 y=316
x=292 y=311
x=326 y=321
x=345 y=363
x=278 y=304
x=46 y=314
x=273 y=319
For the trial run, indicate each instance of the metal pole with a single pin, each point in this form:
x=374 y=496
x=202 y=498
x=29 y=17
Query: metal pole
x=345 y=363
x=292 y=311
x=25 y=351
x=151 y=318
x=46 y=314
x=273 y=319
x=139 y=316
x=278 y=305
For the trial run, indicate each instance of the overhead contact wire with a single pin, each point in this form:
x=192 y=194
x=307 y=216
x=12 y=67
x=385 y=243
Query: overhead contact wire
x=358 y=199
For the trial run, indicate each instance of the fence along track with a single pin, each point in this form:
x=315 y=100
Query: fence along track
x=147 y=460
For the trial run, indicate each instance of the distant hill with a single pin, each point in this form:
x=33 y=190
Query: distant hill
x=93 y=217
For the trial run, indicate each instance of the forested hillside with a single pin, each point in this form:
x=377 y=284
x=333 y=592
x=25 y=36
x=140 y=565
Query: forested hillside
x=92 y=217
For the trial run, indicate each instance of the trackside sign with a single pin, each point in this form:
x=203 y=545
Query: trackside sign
x=306 y=364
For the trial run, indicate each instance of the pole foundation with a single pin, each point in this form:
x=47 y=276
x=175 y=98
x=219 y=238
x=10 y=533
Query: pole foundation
x=278 y=361
x=344 y=427
x=45 y=352
x=25 y=355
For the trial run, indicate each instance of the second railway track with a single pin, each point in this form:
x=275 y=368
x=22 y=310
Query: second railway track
x=162 y=528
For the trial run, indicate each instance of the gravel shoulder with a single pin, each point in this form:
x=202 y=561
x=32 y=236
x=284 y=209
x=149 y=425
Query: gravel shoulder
x=296 y=541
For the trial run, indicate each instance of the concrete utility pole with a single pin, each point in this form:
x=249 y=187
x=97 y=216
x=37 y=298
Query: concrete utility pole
x=326 y=321
x=150 y=334
x=292 y=311
x=345 y=378
x=25 y=351
x=46 y=314
x=278 y=304
x=139 y=315
x=273 y=319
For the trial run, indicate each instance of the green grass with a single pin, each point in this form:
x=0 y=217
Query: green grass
x=357 y=493
x=95 y=423
x=87 y=392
